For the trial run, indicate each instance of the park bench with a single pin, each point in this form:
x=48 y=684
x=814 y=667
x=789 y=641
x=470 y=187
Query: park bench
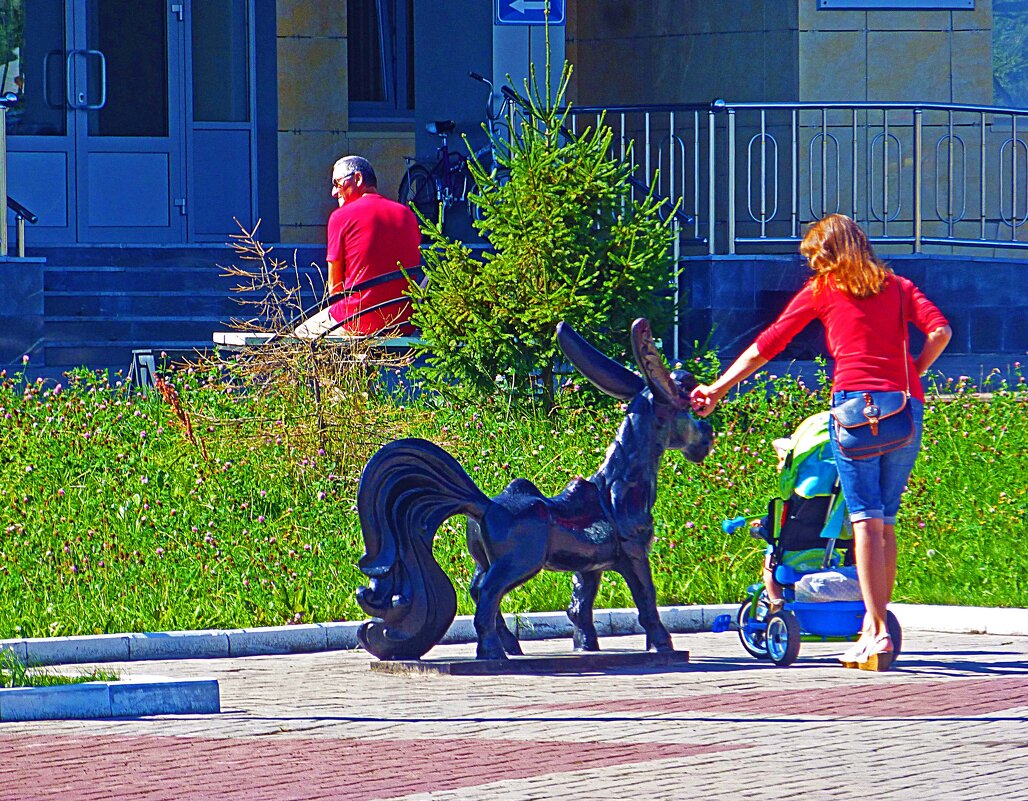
x=387 y=346
x=395 y=339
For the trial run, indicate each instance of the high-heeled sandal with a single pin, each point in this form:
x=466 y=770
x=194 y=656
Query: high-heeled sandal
x=855 y=654
x=878 y=657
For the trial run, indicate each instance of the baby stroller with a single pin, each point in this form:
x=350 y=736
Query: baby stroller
x=808 y=556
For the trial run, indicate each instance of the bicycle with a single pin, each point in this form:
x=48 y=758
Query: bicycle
x=498 y=125
x=432 y=190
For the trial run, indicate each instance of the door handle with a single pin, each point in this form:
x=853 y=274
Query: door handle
x=103 y=80
x=46 y=79
x=80 y=99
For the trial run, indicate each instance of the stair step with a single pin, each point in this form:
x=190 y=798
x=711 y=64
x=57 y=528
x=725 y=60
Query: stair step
x=151 y=331
x=66 y=305
x=97 y=356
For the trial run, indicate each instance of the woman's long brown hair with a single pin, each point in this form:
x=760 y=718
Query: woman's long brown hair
x=841 y=256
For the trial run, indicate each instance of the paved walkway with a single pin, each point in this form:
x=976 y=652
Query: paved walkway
x=950 y=722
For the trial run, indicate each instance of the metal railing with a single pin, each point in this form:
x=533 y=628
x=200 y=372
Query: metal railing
x=21 y=214
x=753 y=174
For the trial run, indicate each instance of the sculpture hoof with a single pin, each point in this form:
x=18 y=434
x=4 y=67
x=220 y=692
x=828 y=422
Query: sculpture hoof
x=490 y=653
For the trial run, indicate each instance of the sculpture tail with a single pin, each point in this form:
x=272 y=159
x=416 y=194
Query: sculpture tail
x=407 y=490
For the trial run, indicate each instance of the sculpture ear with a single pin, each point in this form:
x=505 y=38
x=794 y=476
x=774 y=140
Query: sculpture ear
x=656 y=373
x=603 y=372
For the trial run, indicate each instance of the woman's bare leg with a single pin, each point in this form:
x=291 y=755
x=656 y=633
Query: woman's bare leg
x=876 y=570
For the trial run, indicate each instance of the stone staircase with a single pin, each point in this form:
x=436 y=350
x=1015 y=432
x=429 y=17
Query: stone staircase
x=102 y=303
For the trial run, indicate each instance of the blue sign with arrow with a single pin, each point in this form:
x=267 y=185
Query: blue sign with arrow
x=530 y=12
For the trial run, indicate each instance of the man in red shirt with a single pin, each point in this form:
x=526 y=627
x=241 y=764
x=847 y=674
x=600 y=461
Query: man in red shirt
x=369 y=236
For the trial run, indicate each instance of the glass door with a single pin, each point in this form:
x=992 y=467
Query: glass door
x=96 y=145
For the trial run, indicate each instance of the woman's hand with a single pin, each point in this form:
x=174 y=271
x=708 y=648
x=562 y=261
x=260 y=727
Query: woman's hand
x=703 y=399
x=706 y=396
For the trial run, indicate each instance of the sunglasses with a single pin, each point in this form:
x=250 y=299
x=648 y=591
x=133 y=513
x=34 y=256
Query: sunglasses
x=338 y=182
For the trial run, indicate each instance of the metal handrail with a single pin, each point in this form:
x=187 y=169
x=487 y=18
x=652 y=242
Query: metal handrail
x=21 y=215
x=966 y=185
x=21 y=211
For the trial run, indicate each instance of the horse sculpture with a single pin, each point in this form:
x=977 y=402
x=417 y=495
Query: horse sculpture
x=411 y=486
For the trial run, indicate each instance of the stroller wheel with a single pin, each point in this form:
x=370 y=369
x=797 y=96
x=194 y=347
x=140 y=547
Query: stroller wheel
x=783 y=638
x=892 y=624
x=754 y=641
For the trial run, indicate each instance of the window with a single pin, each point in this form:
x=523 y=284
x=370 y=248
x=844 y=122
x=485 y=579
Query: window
x=1010 y=52
x=380 y=46
x=221 y=61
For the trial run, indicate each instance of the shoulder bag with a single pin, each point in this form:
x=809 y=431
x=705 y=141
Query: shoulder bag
x=877 y=422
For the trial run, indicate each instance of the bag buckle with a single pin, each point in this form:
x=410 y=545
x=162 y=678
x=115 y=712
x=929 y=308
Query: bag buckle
x=872 y=412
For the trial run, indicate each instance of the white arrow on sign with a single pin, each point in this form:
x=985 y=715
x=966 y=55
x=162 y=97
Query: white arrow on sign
x=522 y=6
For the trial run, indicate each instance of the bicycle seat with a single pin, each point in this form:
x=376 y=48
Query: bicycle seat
x=440 y=127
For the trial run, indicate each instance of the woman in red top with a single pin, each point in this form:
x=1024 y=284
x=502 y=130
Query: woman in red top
x=863 y=306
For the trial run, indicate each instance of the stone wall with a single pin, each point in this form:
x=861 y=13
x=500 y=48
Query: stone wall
x=21 y=318
x=682 y=51
x=738 y=296
x=895 y=55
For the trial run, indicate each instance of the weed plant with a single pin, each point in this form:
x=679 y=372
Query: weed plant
x=14 y=673
x=115 y=517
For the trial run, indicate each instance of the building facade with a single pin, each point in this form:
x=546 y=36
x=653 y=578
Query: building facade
x=159 y=121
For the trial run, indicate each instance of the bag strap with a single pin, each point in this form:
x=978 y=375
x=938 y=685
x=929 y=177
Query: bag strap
x=904 y=334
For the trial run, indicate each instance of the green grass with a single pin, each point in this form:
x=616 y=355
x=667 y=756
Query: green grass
x=112 y=520
x=15 y=674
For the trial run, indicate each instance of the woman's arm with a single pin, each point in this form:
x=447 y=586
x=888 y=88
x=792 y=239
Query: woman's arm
x=706 y=397
x=934 y=345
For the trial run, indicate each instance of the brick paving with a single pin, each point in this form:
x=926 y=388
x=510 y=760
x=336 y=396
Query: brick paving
x=950 y=722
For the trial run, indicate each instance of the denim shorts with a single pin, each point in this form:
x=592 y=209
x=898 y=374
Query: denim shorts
x=872 y=487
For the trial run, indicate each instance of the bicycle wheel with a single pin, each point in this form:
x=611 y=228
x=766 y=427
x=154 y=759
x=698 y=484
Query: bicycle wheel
x=457 y=180
x=418 y=190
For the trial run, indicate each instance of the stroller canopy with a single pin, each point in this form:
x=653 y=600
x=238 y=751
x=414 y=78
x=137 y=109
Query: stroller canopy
x=808 y=467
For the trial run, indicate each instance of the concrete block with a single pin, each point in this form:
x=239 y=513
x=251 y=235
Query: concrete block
x=1015 y=334
x=543 y=626
x=812 y=18
x=65 y=702
x=962 y=619
x=986 y=326
x=155 y=695
x=683 y=619
x=846 y=51
x=72 y=650
x=315 y=95
x=277 y=640
x=925 y=60
x=16 y=647
x=461 y=630
x=341 y=635
x=908 y=20
x=303 y=18
x=972 y=75
x=179 y=645
x=305 y=164
x=624 y=621
x=386 y=151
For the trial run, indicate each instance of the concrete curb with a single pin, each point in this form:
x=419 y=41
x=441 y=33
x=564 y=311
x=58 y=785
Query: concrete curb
x=135 y=697
x=309 y=638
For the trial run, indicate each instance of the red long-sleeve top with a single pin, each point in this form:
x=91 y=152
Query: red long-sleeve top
x=866 y=336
